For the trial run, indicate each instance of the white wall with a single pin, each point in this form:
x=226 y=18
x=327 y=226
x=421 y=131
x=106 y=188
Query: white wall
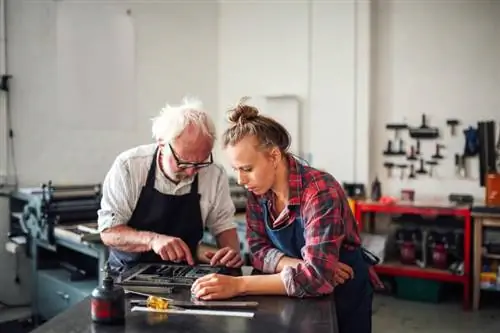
x=441 y=58
x=315 y=50
x=164 y=65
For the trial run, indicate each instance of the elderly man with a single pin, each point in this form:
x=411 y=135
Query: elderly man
x=158 y=198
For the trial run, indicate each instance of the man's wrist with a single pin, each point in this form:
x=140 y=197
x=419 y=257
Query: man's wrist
x=152 y=237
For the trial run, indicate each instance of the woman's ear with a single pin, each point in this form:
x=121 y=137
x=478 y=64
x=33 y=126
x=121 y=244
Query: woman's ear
x=276 y=156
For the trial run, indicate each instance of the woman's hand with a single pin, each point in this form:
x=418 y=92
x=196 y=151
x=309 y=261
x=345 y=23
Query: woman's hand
x=343 y=273
x=216 y=286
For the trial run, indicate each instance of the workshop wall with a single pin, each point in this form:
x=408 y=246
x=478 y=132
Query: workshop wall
x=318 y=51
x=440 y=58
x=69 y=130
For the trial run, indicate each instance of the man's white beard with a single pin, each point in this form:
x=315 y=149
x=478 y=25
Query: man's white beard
x=179 y=176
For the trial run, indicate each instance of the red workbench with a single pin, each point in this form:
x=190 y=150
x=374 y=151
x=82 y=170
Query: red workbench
x=424 y=209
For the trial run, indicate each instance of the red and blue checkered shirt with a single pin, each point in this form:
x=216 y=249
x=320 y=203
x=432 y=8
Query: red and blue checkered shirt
x=328 y=222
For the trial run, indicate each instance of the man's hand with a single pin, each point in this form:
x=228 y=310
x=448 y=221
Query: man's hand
x=225 y=257
x=171 y=249
x=343 y=273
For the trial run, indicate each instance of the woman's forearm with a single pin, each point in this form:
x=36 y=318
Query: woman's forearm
x=262 y=285
x=287 y=261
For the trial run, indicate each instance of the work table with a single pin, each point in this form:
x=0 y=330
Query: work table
x=273 y=315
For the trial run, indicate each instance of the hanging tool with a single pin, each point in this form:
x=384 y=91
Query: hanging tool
x=390 y=151
x=460 y=168
x=453 y=123
x=396 y=128
x=437 y=155
x=421 y=170
x=412 y=156
x=389 y=166
x=401 y=150
x=417 y=151
x=486 y=150
x=431 y=164
x=412 y=172
x=403 y=168
x=424 y=131
x=471 y=142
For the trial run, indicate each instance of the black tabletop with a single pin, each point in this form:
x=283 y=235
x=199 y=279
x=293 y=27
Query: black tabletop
x=273 y=315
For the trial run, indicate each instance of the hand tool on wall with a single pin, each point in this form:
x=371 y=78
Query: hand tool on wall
x=396 y=128
x=453 y=123
x=412 y=172
x=486 y=150
x=431 y=164
x=389 y=166
x=390 y=151
x=402 y=167
x=471 y=142
x=424 y=131
x=460 y=168
x=412 y=156
x=401 y=150
x=421 y=170
x=417 y=150
x=437 y=155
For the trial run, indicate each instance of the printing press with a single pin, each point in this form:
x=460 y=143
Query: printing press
x=62 y=213
x=59 y=224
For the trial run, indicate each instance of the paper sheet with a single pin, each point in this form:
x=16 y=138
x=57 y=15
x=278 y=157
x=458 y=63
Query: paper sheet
x=197 y=312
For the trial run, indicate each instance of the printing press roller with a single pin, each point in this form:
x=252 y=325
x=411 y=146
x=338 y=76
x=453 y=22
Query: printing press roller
x=60 y=206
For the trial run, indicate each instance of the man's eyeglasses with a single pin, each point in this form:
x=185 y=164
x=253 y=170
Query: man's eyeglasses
x=185 y=165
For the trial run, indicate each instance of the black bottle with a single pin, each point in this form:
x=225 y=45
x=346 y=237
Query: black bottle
x=108 y=302
x=376 y=190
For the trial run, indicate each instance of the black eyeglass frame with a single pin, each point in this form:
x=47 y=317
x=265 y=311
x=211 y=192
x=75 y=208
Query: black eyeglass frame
x=186 y=165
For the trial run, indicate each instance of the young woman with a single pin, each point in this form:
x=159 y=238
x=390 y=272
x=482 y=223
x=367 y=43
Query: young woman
x=300 y=226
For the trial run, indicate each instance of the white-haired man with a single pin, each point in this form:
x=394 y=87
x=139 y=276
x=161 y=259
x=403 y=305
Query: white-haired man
x=158 y=198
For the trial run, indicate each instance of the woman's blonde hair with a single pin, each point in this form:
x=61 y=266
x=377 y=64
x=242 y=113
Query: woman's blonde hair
x=245 y=120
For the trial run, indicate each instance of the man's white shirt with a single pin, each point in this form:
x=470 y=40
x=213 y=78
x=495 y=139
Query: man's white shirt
x=124 y=181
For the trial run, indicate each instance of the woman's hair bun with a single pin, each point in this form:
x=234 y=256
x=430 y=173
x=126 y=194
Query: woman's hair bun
x=242 y=113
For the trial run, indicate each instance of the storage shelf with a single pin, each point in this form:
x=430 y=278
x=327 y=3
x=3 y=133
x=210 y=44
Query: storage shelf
x=408 y=208
x=425 y=209
x=395 y=268
x=491 y=256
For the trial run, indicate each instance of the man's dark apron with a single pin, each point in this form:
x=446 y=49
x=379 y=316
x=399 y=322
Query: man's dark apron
x=353 y=299
x=172 y=215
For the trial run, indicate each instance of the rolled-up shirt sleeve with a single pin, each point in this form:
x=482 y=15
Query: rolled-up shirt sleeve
x=117 y=197
x=221 y=215
x=324 y=232
x=264 y=256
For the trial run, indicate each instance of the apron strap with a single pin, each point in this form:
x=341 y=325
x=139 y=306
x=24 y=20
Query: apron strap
x=194 y=185
x=150 y=180
x=369 y=257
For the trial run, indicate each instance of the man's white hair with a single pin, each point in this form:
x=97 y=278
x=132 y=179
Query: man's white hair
x=172 y=120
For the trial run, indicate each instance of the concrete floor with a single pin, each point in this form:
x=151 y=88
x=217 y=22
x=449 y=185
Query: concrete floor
x=392 y=315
